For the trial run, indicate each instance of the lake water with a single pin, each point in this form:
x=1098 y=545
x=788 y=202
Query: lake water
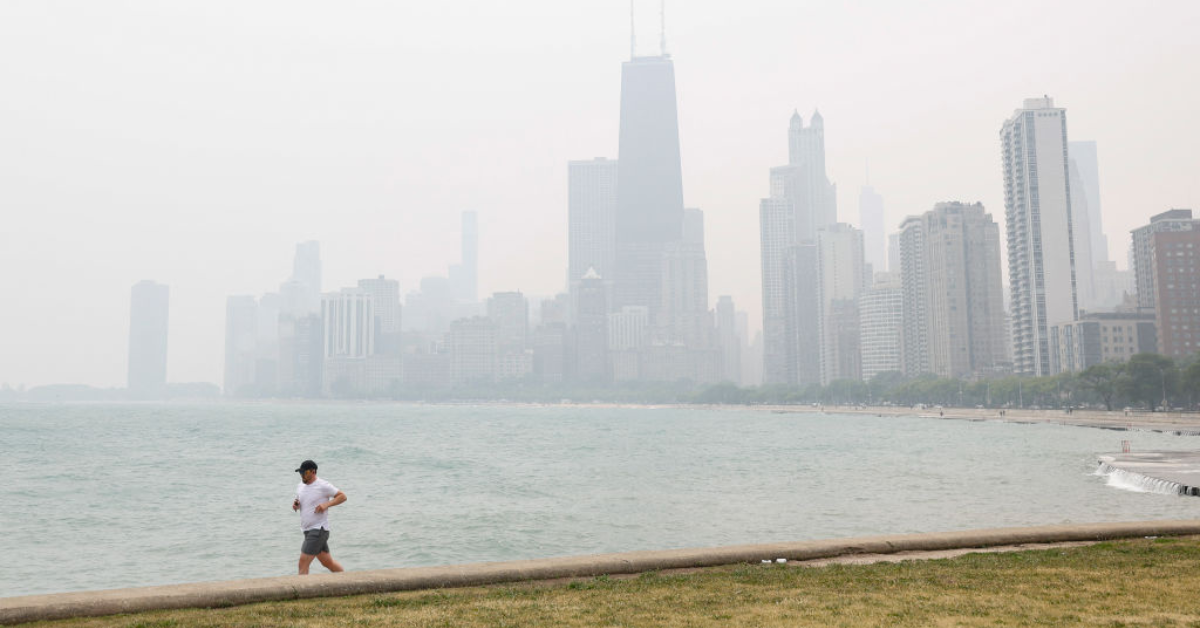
x=104 y=496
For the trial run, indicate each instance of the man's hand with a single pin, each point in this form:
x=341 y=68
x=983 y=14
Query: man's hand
x=321 y=508
x=296 y=504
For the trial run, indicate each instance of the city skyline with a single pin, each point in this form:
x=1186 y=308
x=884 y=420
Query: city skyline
x=175 y=166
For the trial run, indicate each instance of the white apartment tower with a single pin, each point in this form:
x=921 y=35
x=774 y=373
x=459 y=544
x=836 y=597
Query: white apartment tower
x=1037 y=203
x=915 y=358
x=881 y=321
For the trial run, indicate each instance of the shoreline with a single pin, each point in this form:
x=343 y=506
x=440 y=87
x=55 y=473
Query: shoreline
x=23 y=609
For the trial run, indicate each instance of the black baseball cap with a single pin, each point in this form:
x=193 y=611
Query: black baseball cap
x=306 y=465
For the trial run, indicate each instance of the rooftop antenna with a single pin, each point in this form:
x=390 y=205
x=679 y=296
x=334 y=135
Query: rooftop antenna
x=662 y=16
x=632 y=33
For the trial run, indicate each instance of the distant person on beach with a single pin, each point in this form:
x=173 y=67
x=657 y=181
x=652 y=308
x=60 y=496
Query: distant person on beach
x=314 y=498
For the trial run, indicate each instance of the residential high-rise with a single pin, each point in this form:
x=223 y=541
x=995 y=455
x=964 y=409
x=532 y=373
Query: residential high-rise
x=1037 y=201
x=777 y=233
x=591 y=212
x=649 y=209
x=870 y=216
x=841 y=281
x=953 y=299
x=148 y=308
x=1175 y=259
x=802 y=312
x=1142 y=254
x=881 y=322
x=915 y=358
x=965 y=295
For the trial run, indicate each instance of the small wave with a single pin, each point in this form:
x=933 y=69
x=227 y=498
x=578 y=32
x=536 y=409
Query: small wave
x=1136 y=482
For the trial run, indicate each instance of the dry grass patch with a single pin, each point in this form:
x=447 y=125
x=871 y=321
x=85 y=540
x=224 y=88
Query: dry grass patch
x=1144 y=582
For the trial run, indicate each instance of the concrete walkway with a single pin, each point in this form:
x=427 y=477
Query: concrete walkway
x=231 y=593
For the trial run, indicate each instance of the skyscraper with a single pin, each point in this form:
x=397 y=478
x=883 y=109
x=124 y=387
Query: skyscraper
x=387 y=313
x=870 y=216
x=801 y=203
x=817 y=203
x=915 y=357
x=777 y=233
x=591 y=212
x=953 y=300
x=464 y=277
x=801 y=344
x=1037 y=203
x=148 y=308
x=649 y=209
x=1081 y=240
x=1086 y=163
x=840 y=273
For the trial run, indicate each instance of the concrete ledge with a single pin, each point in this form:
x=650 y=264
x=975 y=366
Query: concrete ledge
x=30 y=608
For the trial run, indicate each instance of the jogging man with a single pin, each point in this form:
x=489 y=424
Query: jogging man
x=314 y=498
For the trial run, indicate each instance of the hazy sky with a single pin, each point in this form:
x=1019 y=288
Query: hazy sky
x=194 y=143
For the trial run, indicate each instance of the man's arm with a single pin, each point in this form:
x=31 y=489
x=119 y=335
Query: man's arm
x=337 y=499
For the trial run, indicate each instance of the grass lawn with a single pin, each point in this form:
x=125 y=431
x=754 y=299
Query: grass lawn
x=1141 y=582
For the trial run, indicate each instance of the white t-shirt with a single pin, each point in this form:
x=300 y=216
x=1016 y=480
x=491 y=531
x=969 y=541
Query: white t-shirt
x=310 y=495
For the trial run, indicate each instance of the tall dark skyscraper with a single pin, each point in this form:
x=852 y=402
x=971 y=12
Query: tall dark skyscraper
x=649 y=212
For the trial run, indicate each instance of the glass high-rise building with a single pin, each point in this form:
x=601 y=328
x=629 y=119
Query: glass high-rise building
x=649 y=208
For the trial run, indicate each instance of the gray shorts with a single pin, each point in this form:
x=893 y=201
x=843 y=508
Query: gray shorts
x=316 y=541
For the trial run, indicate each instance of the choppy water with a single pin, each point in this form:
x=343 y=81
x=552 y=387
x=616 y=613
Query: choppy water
x=104 y=496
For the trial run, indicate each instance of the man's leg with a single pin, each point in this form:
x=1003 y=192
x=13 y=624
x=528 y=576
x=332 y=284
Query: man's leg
x=305 y=561
x=327 y=559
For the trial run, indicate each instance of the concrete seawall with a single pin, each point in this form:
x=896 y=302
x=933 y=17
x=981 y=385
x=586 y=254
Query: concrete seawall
x=235 y=592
